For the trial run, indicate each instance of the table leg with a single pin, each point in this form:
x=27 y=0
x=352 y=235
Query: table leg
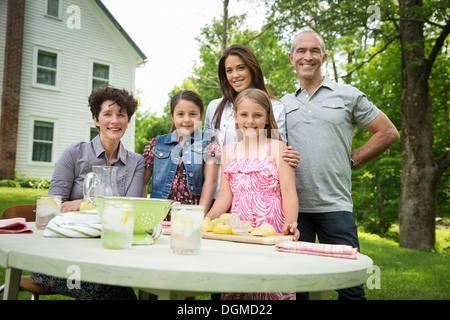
x=12 y=284
x=318 y=295
x=146 y=295
x=150 y=294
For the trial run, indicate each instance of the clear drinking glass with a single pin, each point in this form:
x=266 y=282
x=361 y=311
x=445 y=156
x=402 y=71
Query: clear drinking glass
x=239 y=226
x=47 y=207
x=117 y=224
x=186 y=228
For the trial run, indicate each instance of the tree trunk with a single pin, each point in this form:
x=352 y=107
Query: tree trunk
x=420 y=176
x=225 y=25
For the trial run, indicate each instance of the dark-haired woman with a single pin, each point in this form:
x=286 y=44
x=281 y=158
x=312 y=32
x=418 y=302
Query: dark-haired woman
x=111 y=110
x=238 y=70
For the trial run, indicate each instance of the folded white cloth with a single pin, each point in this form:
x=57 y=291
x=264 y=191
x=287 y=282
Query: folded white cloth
x=82 y=224
x=75 y=224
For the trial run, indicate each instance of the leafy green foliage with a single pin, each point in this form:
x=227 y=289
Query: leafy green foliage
x=26 y=182
x=363 y=50
x=148 y=125
x=368 y=56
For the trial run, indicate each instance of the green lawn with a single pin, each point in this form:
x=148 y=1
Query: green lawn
x=404 y=274
x=13 y=196
x=407 y=274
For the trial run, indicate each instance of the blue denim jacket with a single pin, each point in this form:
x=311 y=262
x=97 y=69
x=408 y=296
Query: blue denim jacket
x=167 y=156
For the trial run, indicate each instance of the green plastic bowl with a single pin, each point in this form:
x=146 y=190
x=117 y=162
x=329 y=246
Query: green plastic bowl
x=148 y=213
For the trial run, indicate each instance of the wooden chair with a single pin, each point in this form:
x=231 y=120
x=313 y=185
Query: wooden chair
x=26 y=211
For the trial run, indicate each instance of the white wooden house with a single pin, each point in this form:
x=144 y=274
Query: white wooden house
x=69 y=47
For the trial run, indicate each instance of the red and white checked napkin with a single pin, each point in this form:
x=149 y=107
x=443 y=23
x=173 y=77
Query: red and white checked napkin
x=320 y=249
x=14 y=225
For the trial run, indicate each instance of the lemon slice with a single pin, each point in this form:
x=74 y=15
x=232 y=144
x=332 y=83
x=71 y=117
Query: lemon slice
x=264 y=230
x=86 y=206
x=181 y=223
x=45 y=201
x=127 y=212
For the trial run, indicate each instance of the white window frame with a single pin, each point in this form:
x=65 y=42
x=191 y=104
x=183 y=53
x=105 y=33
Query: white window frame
x=33 y=119
x=60 y=5
x=91 y=71
x=36 y=84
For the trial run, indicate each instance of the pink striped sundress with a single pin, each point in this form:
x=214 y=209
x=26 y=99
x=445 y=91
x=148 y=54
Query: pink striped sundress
x=257 y=198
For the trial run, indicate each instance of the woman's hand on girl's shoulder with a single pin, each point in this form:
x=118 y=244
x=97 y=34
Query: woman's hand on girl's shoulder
x=213 y=151
x=148 y=147
x=146 y=150
x=277 y=150
x=291 y=156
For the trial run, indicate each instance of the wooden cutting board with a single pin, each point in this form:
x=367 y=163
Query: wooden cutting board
x=270 y=240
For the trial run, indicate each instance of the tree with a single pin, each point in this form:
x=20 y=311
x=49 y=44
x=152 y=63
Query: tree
x=224 y=42
x=376 y=185
x=421 y=170
x=268 y=49
x=345 y=26
x=148 y=125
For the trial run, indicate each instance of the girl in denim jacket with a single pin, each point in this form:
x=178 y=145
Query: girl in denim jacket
x=183 y=164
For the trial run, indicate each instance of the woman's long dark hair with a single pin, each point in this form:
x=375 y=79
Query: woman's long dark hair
x=229 y=94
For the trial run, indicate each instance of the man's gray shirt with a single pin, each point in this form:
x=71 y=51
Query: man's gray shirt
x=321 y=128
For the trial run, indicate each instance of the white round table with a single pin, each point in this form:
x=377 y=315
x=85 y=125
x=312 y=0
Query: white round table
x=221 y=266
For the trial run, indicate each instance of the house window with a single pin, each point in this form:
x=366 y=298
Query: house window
x=42 y=141
x=47 y=67
x=93 y=133
x=53 y=8
x=100 y=75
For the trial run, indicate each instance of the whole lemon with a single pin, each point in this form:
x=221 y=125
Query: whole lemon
x=208 y=225
x=222 y=228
